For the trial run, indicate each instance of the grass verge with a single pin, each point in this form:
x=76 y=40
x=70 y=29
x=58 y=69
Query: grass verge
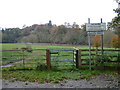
x=42 y=76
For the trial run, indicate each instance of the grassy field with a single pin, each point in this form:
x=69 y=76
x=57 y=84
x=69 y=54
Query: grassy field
x=8 y=56
x=35 y=46
x=37 y=75
x=14 y=56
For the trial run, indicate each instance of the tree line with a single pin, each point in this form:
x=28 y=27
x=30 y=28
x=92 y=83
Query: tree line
x=46 y=33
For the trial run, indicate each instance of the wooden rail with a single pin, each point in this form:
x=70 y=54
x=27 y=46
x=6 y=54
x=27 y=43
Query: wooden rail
x=20 y=58
x=81 y=55
x=99 y=50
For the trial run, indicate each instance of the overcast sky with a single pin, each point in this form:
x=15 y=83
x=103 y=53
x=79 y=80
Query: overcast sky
x=16 y=13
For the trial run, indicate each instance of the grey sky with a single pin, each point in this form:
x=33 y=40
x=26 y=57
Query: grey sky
x=16 y=13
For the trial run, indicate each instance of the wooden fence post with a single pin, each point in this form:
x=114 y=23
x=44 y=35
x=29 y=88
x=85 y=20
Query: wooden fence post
x=48 y=59
x=77 y=63
x=79 y=58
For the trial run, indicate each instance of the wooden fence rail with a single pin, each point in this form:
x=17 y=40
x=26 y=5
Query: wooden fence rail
x=78 y=56
x=14 y=57
x=81 y=53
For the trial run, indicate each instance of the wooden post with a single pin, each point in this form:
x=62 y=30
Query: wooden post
x=23 y=62
x=102 y=51
x=76 y=58
x=48 y=59
x=79 y=58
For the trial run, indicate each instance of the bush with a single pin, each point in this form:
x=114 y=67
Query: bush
x=115 y=42
x=41 y=66
x=100 y=60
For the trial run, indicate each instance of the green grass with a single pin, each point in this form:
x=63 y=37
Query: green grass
x=13 y=46
x=56 y=74
x=53 y=75
x=42 y=76
x=8 y=58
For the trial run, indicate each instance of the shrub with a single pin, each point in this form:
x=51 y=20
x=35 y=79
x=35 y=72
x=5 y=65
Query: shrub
x=100 y=60
x=41 y=66
x=115 y=42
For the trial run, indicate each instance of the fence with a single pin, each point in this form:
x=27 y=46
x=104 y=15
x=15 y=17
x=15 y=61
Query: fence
x=83 y=58
x=24 y=58
x=62 y=57
x=37 y=58
x=56 y=57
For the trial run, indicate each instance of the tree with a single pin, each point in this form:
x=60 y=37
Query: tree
x=10 y=35
x=46 y=33
x=116 y=20
x=116 y=26
x=75 y=25
x=115 y=42
x=96 y=41
x=108 y=35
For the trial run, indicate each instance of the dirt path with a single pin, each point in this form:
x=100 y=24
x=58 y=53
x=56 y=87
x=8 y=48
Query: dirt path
x=101 y=81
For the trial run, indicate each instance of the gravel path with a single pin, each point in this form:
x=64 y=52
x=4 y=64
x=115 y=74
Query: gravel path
x=101 y=81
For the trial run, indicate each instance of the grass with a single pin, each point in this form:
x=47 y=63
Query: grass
x=31 y=74
x=35 y=46
x=8 y=58
x=14 y=56
x=53 y=75
x=42 y=76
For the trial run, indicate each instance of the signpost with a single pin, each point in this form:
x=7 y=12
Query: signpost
x=93 y=29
